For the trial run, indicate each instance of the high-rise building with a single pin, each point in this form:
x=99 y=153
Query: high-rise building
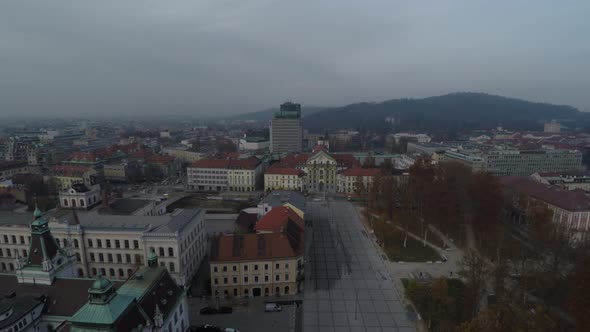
x=285 y=129
x=552 y=127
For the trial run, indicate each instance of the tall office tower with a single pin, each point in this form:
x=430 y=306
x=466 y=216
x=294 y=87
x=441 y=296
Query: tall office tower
x=285 y=129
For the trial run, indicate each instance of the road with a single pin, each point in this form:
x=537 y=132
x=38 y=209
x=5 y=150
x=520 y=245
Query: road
x=247 y=318
x=348 y=286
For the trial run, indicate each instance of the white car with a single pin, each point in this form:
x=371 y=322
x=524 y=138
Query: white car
x=229 y=329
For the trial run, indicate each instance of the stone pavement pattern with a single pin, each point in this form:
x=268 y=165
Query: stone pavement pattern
x=347 y=285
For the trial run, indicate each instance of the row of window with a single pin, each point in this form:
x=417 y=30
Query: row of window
x=235 y=267
x=9 y=252
x=246 y=279
x=161 y=251
x=108 y=244
x=247 y=292
x=112 y=258
x=20 y=240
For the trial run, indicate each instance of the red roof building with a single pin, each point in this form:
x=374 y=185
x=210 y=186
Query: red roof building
x=277 y=218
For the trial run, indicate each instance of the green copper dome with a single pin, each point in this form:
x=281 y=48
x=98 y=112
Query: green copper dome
x=101 y=285
x=37 y=214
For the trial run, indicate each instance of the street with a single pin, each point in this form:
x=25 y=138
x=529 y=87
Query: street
x=348 y=286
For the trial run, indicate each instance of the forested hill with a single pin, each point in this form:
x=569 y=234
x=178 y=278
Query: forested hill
x=456 y=111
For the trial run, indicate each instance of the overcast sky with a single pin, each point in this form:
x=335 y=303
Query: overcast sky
x=218 y=56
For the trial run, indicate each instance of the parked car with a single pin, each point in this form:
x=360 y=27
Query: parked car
x=272 y=307
x=229 y=329
x=225 y=310
x=208 y=311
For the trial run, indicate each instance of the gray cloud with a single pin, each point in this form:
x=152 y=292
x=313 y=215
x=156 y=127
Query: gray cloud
x=61 y=57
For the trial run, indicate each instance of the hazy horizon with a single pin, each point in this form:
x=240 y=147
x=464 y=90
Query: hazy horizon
x=219 y=58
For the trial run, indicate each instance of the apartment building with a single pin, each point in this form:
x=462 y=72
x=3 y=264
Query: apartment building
x=68 y=175
x=569 y=181
x=276 y=178
x=571 y=208
x=10 y=168
x=114 y=246
x=224 y=174
x=349 y=179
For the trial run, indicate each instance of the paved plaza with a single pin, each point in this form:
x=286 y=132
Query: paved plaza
x=347 y=285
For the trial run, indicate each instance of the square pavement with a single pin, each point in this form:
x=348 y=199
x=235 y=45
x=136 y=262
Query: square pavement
x=347 y=286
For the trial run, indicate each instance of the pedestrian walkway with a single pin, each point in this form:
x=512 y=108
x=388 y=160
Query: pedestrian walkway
x=348 y=285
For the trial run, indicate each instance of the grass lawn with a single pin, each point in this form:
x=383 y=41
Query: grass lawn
x=413 y=252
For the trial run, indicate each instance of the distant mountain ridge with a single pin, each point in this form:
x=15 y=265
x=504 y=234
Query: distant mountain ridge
x=455 y=111
x=268 y=113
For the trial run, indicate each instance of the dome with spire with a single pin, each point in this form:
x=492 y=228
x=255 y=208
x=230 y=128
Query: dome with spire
x=37 y=213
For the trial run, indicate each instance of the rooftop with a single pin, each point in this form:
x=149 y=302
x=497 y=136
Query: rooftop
x=253 y=247
x=571 y=200
x=277 y=218
x=281 y=197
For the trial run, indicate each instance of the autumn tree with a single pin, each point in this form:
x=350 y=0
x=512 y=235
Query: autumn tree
x=474 y=270
x=510 y=317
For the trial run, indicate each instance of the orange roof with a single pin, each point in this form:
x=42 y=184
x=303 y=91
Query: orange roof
x=277 y=218
x=357 y=171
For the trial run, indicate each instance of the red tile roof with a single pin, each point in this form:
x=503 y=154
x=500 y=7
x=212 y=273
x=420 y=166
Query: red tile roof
x=357 y=171
x=277 y=218
x=248 y=163
x=571 y=200
x=253 y=247
x=211 y=163
x=276 y=169
x=70 y=170
x=160 y=159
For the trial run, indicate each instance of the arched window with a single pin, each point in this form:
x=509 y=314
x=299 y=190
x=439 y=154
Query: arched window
x=65 y=202
x=121 y=273
x=112 y=272
x=81 y=202
x=103 y=272
x=76 y=244
x=277 y=290
x=170 y=251
x=129 y=272
x=78 y=257
x=171 y=267
x=286 y=290
x=161 y=252
x=80 y=273
x=73 y=203
x=235 y=290
x=93 y=271
x=11 y=266
x=3 y=266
